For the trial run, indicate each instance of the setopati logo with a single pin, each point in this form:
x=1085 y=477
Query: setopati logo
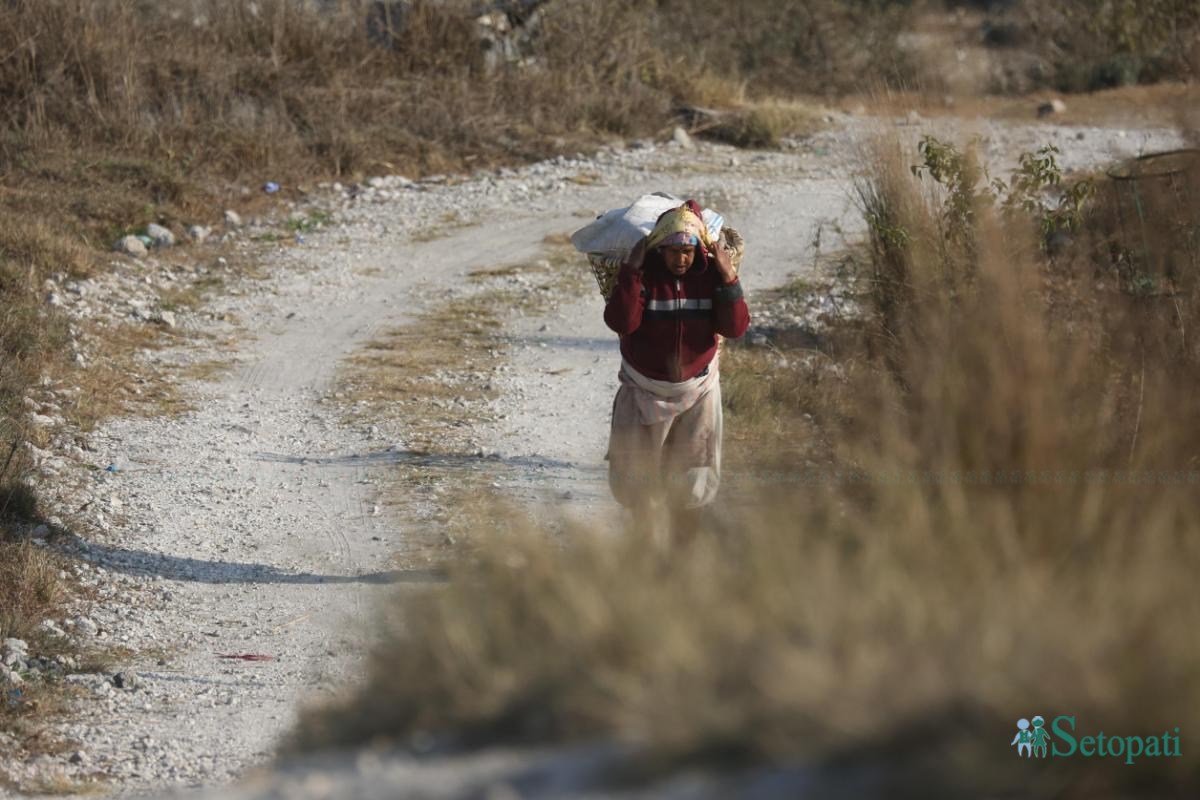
x=1033 y=740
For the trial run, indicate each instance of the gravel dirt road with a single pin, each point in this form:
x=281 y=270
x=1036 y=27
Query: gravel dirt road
x=257 y=524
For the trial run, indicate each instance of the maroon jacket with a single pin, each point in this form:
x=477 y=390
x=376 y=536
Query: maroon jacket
x=669 y=325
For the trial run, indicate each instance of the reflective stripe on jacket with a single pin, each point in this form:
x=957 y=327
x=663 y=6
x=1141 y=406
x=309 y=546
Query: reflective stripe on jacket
x=669 y=325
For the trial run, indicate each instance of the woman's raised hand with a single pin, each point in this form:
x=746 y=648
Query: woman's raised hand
x=724 y=263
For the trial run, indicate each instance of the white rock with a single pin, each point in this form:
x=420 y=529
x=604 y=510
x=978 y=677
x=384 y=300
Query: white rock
x=160 y=236
x=14 y=646
x=47 y=626
x=166 y=318
x=198 y=233
x=682 y=138
x=233 y=219
x=1051 y=108
x=7 y=676
x=131 y=246
x=85 y=626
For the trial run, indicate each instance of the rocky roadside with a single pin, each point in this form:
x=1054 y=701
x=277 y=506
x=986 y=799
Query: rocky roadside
x=250 y=522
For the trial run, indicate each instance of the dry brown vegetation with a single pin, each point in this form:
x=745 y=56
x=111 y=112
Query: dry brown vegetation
x=29 y=587
x=1085 y=45
x=899 y=588
x=984 y=508
x=117 y=114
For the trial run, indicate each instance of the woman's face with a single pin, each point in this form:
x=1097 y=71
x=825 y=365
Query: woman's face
x=678 y=257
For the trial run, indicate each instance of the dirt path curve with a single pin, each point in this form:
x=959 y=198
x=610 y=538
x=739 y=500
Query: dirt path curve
x=253 y=525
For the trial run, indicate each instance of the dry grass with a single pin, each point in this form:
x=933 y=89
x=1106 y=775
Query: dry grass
x=137 y=115
x=1004 y=523
x=123 y=113
x=30 y=588
x=764 y=123
x=1159 y=105
x=24 y=719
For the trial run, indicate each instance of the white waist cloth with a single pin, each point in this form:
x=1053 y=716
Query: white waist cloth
x=660 y=401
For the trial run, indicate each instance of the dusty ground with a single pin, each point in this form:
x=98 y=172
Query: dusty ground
x=269 y=520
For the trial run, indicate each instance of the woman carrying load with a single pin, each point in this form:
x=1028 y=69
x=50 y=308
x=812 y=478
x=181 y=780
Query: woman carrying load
x=673 y=297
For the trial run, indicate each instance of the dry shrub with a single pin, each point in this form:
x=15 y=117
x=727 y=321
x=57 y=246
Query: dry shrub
x=1083 y=45
x=762 y=125
x=279 y=86
x=1007 y=528
x=29 y=587
x=30 y=339
x=286 y=85
x=821 y=47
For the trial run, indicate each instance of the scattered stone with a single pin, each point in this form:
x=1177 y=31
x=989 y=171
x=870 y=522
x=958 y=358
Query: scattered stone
x=48 y=627
x=78 y=757
x=131 y=246
x=165 y=318
x=683 y=139
x=160 y=236
x=126 y=679
x=233 y=219
x=85 y=626
x=8 y=677
x=198 y=233
x=1049 y=109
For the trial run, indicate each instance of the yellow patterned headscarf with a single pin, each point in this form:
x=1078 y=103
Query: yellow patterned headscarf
x=682 y=225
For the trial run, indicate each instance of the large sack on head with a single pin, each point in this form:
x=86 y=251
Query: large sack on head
x=607 y=241
x=615 y=232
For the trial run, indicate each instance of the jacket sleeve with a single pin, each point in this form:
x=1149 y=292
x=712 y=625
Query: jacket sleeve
x=624 y=310
x=729 y=307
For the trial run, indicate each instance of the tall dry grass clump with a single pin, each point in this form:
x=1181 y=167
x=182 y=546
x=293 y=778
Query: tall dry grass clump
x=29 y=588
x=1007 y=528
x=30 y=341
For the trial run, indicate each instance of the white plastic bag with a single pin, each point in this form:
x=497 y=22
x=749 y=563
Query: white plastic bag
x=615 y=232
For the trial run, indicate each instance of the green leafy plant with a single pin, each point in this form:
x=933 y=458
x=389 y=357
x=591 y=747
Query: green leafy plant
x=1026 y=191
x=1029 y=189
x=959 y=173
